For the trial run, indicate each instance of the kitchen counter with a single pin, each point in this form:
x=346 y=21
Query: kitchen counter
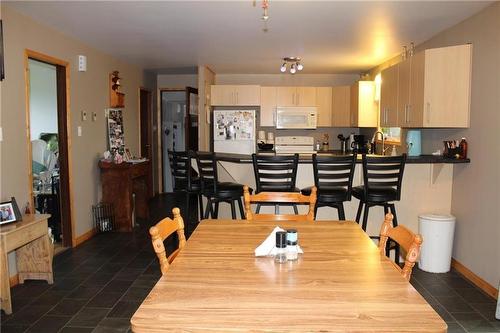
x=307 y=158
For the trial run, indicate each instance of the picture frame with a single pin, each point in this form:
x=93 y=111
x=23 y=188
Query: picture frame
x=128 y=155
x=2 y=66
x=9 y=212
x=116 y=136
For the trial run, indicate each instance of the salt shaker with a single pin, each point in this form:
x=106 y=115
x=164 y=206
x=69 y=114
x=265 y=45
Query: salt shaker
x=292 y=253
x=280 y=256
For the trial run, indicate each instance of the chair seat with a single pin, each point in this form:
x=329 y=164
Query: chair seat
x=328 y=194
x=226 y=190
x=376 y=194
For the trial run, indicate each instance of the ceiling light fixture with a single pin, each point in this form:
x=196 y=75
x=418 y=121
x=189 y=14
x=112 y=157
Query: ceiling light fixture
x=295 y=64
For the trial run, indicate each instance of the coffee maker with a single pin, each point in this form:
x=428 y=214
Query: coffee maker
x=360 y=145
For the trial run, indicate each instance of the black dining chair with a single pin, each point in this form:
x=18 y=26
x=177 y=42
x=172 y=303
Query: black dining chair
x=185 y=180
x=276 y=173
x=215 y=191
x=382 y=177
x=333 y=177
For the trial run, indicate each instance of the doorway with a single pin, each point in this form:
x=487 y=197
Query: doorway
x=146 y=135
x=179 y=126
x=48 y=142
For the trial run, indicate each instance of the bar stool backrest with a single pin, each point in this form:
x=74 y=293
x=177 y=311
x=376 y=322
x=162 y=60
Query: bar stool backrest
x=180 y=165
x=383 y=173
x=275 y=173
x=333 y=172
x=207 y=169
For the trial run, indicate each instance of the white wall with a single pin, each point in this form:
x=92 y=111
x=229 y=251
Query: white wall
x=177 y=81
x=43 y=99
x=317 y=80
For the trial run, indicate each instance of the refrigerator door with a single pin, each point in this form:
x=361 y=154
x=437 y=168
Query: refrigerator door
x=234 y=131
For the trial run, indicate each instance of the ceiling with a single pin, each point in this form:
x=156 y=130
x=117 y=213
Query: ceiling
x=228 y=36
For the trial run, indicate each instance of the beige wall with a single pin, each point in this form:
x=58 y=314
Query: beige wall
x=205 y=79
x=476 y=195
x=177 y=81
x=317 y=80
x=89 y=92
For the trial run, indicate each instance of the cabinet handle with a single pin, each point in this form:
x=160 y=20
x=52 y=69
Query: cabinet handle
x=428 y=112
x=274 y=117
x=237 y=98
x=408 y=109
x=293 y=99
x=298 y=99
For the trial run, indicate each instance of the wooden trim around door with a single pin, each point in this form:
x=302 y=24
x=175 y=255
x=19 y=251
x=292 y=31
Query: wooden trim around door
x=63 y=76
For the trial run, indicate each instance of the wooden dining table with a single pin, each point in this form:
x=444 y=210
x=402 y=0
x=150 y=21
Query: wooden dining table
x=341 y=283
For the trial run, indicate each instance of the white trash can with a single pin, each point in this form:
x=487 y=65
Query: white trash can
x=437 y=232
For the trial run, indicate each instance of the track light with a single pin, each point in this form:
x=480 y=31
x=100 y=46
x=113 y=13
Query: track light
x=294 y=63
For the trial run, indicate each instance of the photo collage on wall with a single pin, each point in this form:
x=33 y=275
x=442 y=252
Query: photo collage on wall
x=115 y=131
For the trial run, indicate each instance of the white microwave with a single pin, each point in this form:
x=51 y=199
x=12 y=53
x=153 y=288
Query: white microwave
x=298 y=117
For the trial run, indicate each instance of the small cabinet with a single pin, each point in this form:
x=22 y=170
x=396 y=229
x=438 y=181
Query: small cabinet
x=341 y=108
x=296 y=96
x=362 y=104
x=235 y=95
x=324 y=105
x=389 y=97
x=268 y=103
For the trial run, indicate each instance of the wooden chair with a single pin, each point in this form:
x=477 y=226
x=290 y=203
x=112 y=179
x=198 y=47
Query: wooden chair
x=407 y=240
x=279 y=197
x=161 y=231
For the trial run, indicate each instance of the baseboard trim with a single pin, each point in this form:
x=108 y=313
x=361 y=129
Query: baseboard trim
x=476 y=280
x=85 y=237
x=14 y=280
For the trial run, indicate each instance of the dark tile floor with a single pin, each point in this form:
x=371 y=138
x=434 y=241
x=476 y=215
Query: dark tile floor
x=99 y=285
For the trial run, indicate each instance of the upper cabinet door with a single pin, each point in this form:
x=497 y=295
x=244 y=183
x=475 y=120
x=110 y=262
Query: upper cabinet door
x=404 y=92
x=222 y=95
x=247 y=95
x=286 y=96
x=447 y=86
x=324 y=104
x=268 y=104
x=306 y=96
x=341 y=111
x=389 y=97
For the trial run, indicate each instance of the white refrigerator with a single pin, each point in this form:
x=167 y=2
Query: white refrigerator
x=234 y=131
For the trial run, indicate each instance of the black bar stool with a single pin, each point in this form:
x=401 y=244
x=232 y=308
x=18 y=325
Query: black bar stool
x=276 y=173
x=215 y=191
x=382 y=178
x=333 y=177
x=185 y=180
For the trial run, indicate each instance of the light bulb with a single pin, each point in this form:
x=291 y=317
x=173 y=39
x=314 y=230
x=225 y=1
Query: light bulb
x=293 y=69
x=300 y=66
x=283 y=68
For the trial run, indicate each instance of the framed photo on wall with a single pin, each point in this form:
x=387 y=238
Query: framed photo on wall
x=116 y=136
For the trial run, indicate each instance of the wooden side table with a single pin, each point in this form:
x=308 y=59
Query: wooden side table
x=34 y=252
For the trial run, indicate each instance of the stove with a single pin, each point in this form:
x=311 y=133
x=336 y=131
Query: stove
x=294 y=144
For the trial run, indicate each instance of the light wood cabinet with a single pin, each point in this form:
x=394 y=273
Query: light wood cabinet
x=433 y=89
x=389 y=97
x=235 y=95
x=341 y=108
x=362 y=104
x=324 y=104
x=268 y=103
x=296 y=96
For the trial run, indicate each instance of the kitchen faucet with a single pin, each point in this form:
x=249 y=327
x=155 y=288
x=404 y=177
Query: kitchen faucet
x=383 y=141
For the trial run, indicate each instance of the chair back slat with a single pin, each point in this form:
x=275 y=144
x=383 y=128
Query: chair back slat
x=161 y=231
x=207 y=169
x=384 y=172
x=409 y=242
x=334 y=172
x=181 y=169
x=275 y=172
x=279 y=197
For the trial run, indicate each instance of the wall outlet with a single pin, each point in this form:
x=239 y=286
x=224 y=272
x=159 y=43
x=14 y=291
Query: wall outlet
x=84 y=115
x=94 y=116
x=79 y=130
x=1 y=134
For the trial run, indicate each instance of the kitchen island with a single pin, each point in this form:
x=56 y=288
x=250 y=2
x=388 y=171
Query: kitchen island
x=427 y=187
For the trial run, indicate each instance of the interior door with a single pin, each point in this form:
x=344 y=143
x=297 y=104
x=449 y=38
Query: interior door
x=191 y=122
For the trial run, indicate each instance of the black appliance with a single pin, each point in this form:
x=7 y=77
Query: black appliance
x=360 y=145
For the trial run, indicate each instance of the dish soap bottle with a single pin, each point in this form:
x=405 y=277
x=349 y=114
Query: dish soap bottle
x=463 y=148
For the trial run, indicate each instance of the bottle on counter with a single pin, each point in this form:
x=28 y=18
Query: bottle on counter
x=280 y=256
x=463 y=148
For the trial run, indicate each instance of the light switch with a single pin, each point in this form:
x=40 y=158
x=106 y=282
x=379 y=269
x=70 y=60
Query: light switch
x=82 y=63
x=79 y=130
x=94 y=116
x=84 y=115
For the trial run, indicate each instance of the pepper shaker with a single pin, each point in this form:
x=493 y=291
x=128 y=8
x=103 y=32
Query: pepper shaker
x=280 y=256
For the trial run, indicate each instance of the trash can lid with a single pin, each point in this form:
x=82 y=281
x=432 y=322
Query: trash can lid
x=437 y=217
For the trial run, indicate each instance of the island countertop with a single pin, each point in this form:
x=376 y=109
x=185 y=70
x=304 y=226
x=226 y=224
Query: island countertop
x=307 y=158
